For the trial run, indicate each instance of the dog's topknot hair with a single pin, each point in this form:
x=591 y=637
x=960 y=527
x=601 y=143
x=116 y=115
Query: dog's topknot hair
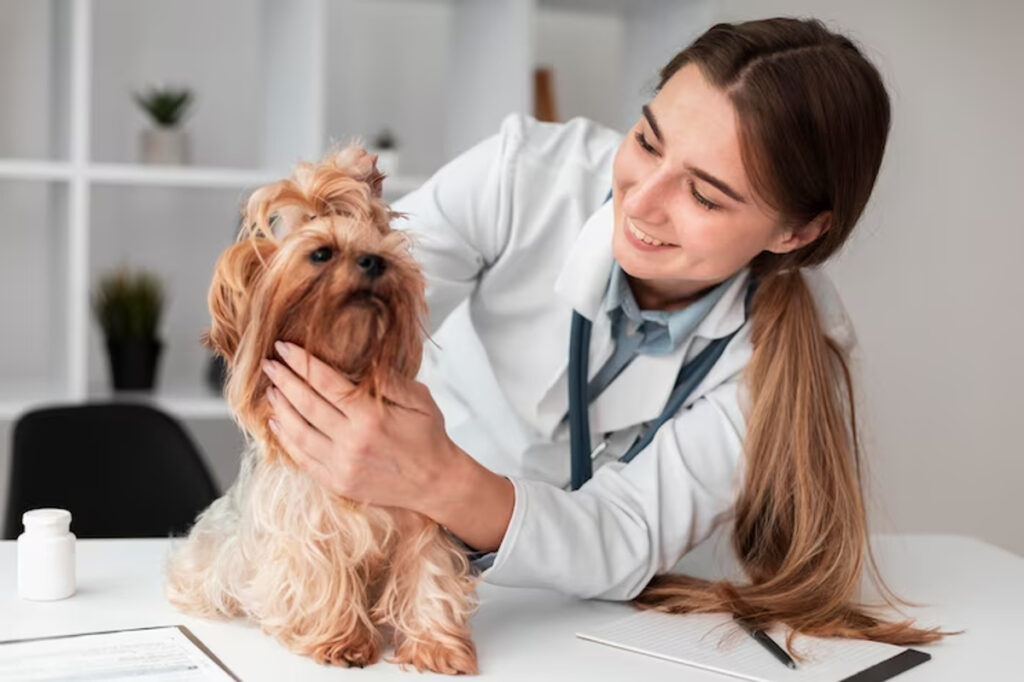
x=345 y=182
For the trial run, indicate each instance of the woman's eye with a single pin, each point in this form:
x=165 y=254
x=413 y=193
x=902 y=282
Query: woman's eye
x=709 y=205
x=321 y=255
x=642 y=141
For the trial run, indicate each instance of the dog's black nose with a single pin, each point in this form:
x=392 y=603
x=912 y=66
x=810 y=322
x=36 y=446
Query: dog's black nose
x=372 y=265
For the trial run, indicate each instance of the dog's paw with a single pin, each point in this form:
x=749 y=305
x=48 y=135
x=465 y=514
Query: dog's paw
x=454 y=658
x=348 y=653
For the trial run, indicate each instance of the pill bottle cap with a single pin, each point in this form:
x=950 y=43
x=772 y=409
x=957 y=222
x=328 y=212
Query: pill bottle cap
x=47 y=521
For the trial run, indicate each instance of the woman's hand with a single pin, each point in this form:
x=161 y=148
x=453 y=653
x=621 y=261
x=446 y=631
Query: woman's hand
x=384 y=457
x=398 y=457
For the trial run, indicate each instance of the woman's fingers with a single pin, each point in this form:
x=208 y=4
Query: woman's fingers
x=299 y=438
x=305 y=461
x=407 y=393
x=329 y=384
x=299 y=396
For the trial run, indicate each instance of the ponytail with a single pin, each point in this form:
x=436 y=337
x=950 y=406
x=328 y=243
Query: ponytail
x=813 y=117
x=799 y=523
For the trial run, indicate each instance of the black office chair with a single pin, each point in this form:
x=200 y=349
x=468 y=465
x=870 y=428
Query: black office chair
x=122 y=470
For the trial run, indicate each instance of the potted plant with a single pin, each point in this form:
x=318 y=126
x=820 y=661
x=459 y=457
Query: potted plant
x=128 y=307
x=165 y=142
x=385 y=146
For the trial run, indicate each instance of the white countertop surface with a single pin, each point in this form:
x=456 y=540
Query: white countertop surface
x=962 y=583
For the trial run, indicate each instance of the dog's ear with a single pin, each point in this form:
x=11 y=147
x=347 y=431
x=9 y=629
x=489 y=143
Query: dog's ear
x=235 y=277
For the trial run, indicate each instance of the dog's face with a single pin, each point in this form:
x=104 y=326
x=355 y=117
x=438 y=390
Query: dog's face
x=319 y=266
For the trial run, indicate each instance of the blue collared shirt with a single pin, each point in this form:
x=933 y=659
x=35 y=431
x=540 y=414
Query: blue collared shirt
x=651 y=332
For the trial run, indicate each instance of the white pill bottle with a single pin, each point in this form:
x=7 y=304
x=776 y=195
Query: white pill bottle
x=46 y=555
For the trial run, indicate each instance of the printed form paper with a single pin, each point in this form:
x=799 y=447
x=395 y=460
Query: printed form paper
x=714 y=642
x=164 y=654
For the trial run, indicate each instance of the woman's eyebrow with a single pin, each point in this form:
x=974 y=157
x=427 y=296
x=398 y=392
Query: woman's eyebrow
x=722 y=186
x=650 y=120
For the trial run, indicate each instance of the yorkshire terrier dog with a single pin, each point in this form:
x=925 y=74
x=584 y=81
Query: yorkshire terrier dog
x=317 y=264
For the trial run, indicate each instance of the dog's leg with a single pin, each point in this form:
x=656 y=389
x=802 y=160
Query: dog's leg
x=310 y=590
x=207 y=572
x=355 y=644
x=428 y=601
x=201 y=567
x=340 y=633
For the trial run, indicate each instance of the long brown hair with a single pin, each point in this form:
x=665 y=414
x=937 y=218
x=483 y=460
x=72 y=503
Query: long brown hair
x=813 y=117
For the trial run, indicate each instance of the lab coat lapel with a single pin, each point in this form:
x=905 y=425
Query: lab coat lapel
x=640 y=392
x=581 y=284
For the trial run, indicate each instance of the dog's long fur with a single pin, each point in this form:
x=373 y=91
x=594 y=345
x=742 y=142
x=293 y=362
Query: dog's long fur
x=328 y=577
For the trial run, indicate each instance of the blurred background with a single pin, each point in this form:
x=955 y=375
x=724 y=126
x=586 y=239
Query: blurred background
x=131 y=130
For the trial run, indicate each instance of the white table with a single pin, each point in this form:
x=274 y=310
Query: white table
x=530 y=634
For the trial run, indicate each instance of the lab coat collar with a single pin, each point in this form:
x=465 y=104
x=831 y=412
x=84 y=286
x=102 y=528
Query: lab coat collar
x=583 y=279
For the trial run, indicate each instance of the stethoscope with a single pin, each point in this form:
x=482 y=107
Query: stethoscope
x=690 y=375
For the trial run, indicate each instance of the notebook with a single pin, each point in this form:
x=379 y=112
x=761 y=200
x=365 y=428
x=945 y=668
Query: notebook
x=714 y=642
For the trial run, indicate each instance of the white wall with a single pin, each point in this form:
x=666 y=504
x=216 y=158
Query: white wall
x=929 y=276
x=137 y=44
x=403 y=46
x=932 y=275
x=584 y=51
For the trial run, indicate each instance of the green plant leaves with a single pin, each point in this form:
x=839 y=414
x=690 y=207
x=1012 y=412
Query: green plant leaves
x=128 y=305
x=166 y=106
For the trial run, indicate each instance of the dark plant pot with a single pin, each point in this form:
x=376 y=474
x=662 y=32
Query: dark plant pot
x=216 y=374
x=133 y=363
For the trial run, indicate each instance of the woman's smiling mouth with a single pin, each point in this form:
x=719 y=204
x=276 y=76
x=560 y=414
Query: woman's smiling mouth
x=641 y=239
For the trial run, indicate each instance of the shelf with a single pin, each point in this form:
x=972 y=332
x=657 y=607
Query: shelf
x=211 y=177
x=274 y=84
x=178 y=176
x=28 y=169
x=126 y=174
x=20 y=397
x=179 y=404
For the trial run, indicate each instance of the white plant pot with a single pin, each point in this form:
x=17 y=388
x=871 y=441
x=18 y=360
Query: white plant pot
x=165 y=146
x=387 y=161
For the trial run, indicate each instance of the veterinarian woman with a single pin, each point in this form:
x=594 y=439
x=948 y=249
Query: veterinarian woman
x=751 y=165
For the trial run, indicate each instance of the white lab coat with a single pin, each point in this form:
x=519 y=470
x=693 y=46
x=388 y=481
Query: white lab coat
x=519 y=226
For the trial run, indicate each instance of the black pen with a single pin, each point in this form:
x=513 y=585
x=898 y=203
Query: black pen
x=767 y=642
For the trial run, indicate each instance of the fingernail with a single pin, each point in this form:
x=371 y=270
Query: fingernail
x=281 y=347
x=273 y=425
x=268 y=367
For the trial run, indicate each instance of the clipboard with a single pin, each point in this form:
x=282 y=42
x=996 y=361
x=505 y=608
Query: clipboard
x=713 y=642
x=135 y=652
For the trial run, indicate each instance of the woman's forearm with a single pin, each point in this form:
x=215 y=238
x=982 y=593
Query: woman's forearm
x=473 y=502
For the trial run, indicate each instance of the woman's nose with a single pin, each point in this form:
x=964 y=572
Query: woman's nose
x=646 y=199
x=372 y=265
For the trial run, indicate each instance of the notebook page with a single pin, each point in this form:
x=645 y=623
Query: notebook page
x=714 y=642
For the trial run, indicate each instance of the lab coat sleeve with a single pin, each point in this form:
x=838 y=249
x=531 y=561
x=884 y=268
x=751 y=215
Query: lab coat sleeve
x=629 y=522
x=632 y=522
x=460 y=219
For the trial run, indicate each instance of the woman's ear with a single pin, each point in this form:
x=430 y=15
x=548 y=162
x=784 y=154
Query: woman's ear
x=235 y=278
x=793 y=238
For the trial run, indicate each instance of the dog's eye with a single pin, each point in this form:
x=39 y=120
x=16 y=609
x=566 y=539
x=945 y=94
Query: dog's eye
x=321 y=255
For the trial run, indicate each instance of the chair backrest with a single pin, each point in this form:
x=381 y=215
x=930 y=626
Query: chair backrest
x=122 y=470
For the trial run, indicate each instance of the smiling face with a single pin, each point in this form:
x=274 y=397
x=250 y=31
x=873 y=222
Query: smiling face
x=685 y=215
